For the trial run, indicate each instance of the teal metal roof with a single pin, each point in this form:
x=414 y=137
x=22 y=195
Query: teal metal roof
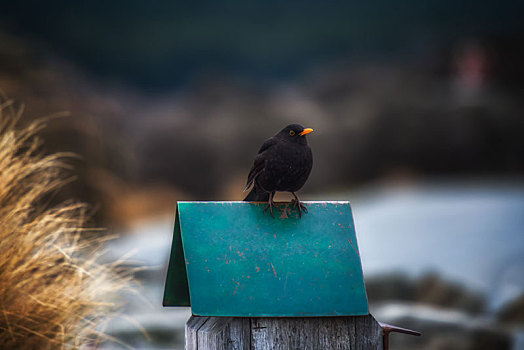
x=239 y=261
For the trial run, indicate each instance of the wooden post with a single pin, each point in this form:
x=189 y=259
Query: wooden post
x=264 y=333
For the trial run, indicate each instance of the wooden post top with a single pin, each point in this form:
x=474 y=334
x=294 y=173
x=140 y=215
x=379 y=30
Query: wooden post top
x=312 y=333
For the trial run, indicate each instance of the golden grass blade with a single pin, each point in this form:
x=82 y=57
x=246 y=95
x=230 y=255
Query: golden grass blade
x=53 y=293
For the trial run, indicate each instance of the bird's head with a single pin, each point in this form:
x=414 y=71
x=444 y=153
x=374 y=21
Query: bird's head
x=295 y=133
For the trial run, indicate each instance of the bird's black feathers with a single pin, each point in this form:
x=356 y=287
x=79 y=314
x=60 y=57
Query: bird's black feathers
x=253 y=196
x=283 y=163
x=259 y=163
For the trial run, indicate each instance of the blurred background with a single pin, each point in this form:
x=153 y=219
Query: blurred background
x=417 y=108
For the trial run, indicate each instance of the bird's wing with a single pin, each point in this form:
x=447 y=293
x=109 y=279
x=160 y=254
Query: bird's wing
x=269 y=143
x=256 y=169
x=259 y=163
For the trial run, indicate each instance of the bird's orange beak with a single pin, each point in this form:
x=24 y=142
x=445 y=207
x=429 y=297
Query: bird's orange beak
x=306 y=131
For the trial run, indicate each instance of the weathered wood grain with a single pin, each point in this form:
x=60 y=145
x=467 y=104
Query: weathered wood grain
x=259 y=333
x=192 y=327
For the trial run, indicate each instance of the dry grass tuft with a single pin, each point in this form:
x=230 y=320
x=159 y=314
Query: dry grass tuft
x=53 y=293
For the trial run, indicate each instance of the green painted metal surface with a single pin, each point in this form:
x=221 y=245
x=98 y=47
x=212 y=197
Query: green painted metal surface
x=176 y=291
x=242 y=262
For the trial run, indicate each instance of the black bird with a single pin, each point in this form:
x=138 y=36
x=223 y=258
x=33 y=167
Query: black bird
x=283 y=163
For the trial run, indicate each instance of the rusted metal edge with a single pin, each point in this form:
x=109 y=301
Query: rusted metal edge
x=388 y=328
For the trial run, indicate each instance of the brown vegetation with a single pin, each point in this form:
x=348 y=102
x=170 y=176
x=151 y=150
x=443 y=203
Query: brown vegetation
x=53 y=293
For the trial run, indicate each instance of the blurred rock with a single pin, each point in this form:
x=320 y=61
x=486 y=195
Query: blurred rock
x=390 y=287
x=513 y=312
x=441 y=328
x=433 y=290
x=429 y=289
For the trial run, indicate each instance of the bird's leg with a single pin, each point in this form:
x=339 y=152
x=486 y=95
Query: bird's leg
x=270 y=204
x=297 y=203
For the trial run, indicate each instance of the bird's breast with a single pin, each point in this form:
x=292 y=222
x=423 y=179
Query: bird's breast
x=288 y=168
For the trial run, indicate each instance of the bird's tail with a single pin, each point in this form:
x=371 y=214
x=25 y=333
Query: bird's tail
x=253 y=196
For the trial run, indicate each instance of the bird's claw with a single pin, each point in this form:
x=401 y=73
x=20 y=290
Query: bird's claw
x=270 y=207
x=300 y=206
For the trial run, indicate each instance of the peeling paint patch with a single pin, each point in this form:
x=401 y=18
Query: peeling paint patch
x=355 y=248
x=238 y=285
x=274 y=271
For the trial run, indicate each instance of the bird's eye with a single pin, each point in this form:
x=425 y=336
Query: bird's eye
x=292 y=133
